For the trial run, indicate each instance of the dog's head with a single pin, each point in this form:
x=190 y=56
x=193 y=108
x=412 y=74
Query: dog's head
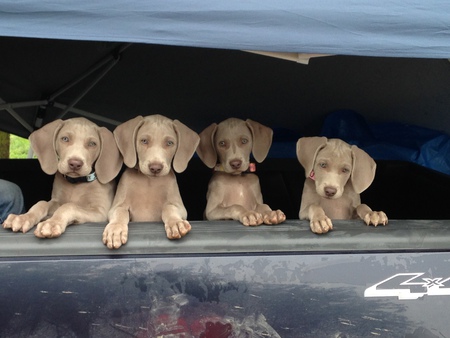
x=75 y=147
x=154 y=143
x=231 y=142
x=331 y=163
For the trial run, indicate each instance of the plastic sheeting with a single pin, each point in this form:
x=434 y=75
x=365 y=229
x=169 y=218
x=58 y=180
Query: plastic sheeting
x=391 y=140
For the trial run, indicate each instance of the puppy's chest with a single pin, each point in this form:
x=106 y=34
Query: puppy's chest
x=147 y=198
x=341 y=208
x=240 y=189
x=149 y=191
x=85 y=194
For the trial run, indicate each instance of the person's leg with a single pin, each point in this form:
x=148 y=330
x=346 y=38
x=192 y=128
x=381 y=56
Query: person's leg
x=11 y=200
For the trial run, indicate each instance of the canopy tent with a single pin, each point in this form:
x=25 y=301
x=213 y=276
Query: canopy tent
x=409 y=28
x=140 y=57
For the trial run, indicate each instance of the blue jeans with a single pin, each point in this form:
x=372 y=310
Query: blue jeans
x=11 y=200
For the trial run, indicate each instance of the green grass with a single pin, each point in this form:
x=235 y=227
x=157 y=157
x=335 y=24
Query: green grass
x=18 y=147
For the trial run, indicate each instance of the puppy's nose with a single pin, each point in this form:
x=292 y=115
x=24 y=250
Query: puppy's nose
x=75 y=164
x=330 y=191
x=235 y=164
x=155 y=168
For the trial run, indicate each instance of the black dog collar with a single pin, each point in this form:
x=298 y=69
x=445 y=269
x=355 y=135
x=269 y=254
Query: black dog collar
x=89 y=178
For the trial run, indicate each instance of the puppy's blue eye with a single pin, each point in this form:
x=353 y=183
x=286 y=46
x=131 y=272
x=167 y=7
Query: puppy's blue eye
x=65 y=139
x=244 y=141
x=92 y=144
x=345 y=170
x=323 y=165
x=222 y=143
x=144 y=141
x=170 y=143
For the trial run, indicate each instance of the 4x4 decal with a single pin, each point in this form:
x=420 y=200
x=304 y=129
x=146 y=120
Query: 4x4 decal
x=409 y=286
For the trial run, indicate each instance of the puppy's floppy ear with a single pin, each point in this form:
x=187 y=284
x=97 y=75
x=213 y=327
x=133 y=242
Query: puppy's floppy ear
x=262 y=139
x=187 y=144
x=125 y=135
x=363 y=171
x=43 y=142
x=109 y=161
x=206 y=150
x=307 y=150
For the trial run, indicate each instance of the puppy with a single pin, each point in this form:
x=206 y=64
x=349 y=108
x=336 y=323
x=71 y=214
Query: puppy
x=148 y=189
x=85 y=160
x=233 y=193
x=336 y=173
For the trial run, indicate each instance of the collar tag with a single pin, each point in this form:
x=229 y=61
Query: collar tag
x=91 y=177
x=251 y=168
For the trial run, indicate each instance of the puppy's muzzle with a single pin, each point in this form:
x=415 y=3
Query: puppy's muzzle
x=155 y=168
x=75 y=164
x=235 y=164
x=329 y=191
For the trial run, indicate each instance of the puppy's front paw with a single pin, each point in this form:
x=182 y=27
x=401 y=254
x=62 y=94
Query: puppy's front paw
x=274 y=217
x=376 y=218
x=321 y=225
x=251 y=218
x=50 y=229
x=177 y=229
x=115 y=235
x=19 y=222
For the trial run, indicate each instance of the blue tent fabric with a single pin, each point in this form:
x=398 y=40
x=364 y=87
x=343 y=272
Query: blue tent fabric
x=348 y=126
x=391 y=140
x=398 y=28
x=283 y=143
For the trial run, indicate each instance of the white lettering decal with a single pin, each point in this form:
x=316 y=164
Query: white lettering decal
x=409 y=286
